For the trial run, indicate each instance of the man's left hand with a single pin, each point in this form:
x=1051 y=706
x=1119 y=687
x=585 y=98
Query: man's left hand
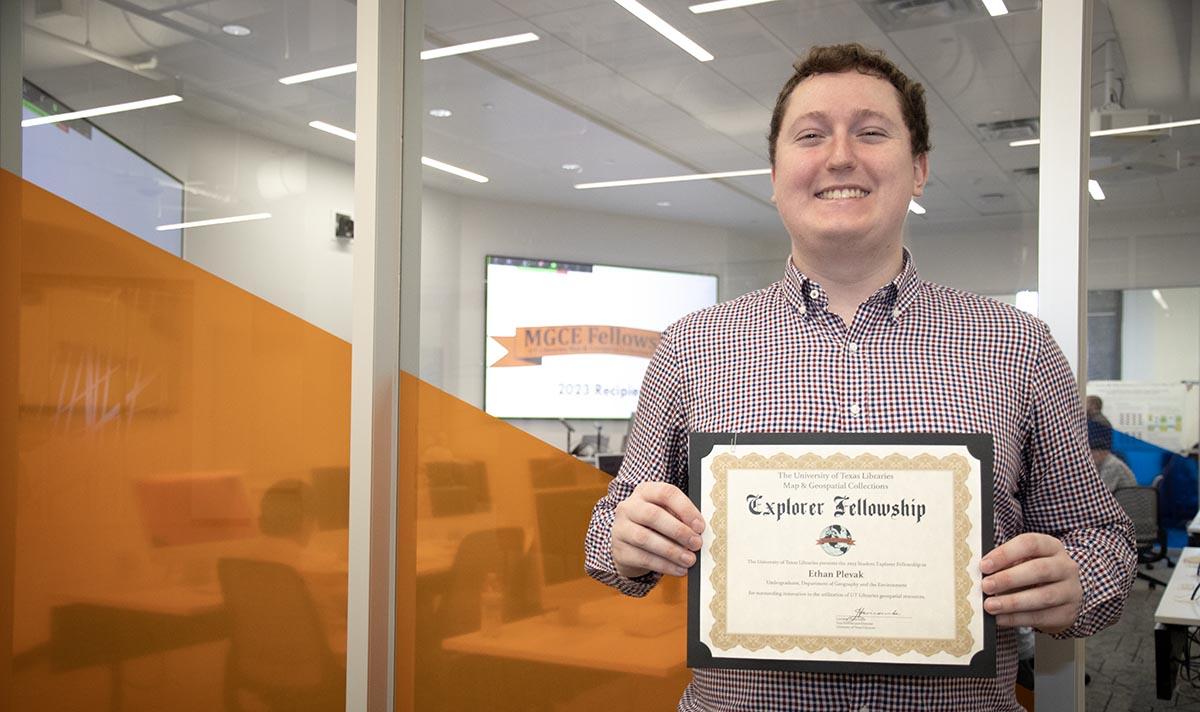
x=1031 y=580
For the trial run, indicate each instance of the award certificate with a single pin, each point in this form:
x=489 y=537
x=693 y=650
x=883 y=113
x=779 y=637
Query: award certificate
x=835 y=552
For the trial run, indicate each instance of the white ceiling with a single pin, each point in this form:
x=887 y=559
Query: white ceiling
x=602 y=90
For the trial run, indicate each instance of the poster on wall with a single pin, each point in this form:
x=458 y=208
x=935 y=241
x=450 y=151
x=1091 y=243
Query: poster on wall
x=1154 y=412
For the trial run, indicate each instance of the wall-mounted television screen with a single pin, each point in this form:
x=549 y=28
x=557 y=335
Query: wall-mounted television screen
x=572 y=340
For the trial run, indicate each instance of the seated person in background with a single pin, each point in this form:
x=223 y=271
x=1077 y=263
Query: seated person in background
x=287 y=520
x=1113 y=471
x=1094 y=409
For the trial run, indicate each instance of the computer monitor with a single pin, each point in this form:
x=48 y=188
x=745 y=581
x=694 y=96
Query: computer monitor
x=331 y=495
x=195 y=507
x=590 y=445
x=609 y=464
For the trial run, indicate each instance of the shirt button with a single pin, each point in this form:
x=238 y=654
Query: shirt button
x=803 y=310
x=852 y=347
x=896 y=313
x=814 y=293
x=855 y=409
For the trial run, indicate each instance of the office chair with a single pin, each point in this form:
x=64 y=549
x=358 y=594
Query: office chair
x=490 y=551
x=278 y=649
x=1141 y=504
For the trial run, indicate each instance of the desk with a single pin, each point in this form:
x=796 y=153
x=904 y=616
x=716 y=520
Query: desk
x=608 y=636
x=106 y=628
x=1175 y=614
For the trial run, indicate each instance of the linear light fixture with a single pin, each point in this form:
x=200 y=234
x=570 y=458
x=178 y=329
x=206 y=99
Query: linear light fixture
x=215 y=221
x=320 y=73
x=1095 y=190
x=724 y=5
x=102 y=110
x=425 y=160
x=1117 y=132
x=335 y=130
x=1158 y=297
x=673 y=179
x=995 y=8
x=426 y=54
x=915 y=207
x=480 y=45
x=453 y=170
x=665 y=29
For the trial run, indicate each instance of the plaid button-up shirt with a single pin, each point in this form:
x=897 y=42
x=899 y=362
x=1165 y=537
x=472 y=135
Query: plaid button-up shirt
x=918 y=357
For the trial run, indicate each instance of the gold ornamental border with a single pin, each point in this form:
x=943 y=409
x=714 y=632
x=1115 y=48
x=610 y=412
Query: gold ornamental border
x=960 y=645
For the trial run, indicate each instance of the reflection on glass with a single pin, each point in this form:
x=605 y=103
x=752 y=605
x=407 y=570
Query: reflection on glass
x=1144 y=290
x=183 y=412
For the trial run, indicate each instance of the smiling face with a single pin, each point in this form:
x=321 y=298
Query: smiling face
x=844 y=170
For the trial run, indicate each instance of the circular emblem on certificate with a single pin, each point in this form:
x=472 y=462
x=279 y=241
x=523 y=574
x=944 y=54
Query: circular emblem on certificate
x=835 y=540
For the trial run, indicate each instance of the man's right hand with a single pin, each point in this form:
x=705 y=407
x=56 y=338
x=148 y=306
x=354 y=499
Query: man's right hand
x=656 y=528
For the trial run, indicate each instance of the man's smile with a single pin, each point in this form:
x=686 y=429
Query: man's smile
x=842 y=193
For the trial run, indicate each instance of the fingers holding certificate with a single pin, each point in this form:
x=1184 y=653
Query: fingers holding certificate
x=842 y=553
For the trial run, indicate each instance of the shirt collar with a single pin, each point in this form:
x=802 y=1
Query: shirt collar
x=806 y=295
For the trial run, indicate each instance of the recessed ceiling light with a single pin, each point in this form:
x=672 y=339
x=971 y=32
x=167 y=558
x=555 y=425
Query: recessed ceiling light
x=916 y=207
x=1095 y=190
x=724 y=5
x=665 y=29
x=236 y=30
x=102 y=110
x=572 y=167
x=441 y=113
x=663 y=203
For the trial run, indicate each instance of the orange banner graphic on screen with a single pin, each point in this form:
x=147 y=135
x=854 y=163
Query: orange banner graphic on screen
x=531 y=343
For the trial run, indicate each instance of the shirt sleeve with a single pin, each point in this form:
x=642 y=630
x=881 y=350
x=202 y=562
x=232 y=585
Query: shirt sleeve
x=1065 y=498
x=656 y=451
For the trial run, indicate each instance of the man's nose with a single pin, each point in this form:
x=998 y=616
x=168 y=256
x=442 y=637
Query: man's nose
x=841 y=153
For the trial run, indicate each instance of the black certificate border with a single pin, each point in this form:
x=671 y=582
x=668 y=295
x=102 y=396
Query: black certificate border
x=979 y=445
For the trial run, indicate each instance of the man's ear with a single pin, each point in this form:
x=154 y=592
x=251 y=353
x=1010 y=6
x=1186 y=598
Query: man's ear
x=920 y=174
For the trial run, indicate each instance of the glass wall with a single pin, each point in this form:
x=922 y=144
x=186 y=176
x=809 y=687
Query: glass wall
x=1143 y=318
x=522 y=420
x=184 y=365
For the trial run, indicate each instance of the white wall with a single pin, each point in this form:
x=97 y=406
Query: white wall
x=1163 y=345
x=293 y=259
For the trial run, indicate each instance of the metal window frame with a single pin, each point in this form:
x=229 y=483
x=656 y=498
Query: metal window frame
x=1062 y=259
x=381 y=625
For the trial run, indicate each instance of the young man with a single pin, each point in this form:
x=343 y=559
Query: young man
x=851 y=340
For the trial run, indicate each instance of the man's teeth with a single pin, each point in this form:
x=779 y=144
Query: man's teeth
x=842 y=194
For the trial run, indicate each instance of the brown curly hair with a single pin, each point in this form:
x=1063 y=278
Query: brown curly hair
x=834 y=59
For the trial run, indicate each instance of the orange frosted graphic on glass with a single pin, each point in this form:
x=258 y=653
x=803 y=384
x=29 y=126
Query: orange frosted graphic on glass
x=181 y=487
x=10 y=316
x=505 y=616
